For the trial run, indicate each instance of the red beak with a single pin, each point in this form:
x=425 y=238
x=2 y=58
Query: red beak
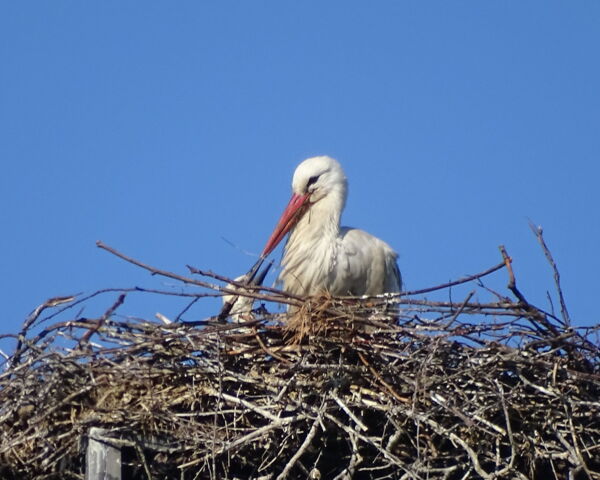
x=292 y=213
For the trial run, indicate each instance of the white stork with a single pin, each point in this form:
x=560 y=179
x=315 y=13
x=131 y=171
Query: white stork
x=320 y=255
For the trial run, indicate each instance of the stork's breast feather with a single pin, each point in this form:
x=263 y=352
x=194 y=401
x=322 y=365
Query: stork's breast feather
x=365 y=265
x=347 y=262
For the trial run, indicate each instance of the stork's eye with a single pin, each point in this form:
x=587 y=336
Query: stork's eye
x=312 y=180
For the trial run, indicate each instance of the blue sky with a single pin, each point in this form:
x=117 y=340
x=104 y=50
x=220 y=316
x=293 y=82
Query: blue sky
x=170 y=130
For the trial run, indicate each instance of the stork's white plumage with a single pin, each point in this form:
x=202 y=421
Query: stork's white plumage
x=320 y=255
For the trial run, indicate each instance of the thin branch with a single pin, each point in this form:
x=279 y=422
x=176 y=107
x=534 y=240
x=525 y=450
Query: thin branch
x=281 y=298
x=460 y=281
x=303 y=447
x=86 y=337
x=539 y=233
x=512 y=286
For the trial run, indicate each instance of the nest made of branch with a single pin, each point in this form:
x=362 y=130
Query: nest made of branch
x=385 y=387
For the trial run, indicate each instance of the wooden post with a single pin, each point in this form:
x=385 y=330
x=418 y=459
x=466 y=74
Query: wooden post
x=103 y=460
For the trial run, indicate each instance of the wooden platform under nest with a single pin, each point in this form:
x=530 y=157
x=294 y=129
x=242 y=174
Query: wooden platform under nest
x=392 y=387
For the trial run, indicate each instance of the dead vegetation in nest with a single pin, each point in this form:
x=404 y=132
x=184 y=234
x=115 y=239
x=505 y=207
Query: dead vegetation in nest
x=312 y=318
x=390 y=387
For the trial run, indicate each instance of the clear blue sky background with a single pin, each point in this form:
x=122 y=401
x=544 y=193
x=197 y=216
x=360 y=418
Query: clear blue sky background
x=163 y=127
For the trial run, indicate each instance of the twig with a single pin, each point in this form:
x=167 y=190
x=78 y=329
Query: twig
x=268 y=351
x=154 y=270
x=511 y=438
x=355 y=460
x=380 y=379
x=86 y=336
x=460 y=309
x=191 y=281
x=512 y=286
x=33 y=316
x=305 y=444
x=460 y=281
x=388 y=455
x=539 y=233
x=346 y=409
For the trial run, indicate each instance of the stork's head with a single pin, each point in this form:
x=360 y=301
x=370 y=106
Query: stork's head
x=318 y=177
x=317 y=181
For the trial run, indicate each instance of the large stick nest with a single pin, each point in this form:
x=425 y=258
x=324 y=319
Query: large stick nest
x=383 y=387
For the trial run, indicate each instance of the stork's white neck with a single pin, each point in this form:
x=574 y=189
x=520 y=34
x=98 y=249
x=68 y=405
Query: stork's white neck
x=313 y=245
x=322 y=219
